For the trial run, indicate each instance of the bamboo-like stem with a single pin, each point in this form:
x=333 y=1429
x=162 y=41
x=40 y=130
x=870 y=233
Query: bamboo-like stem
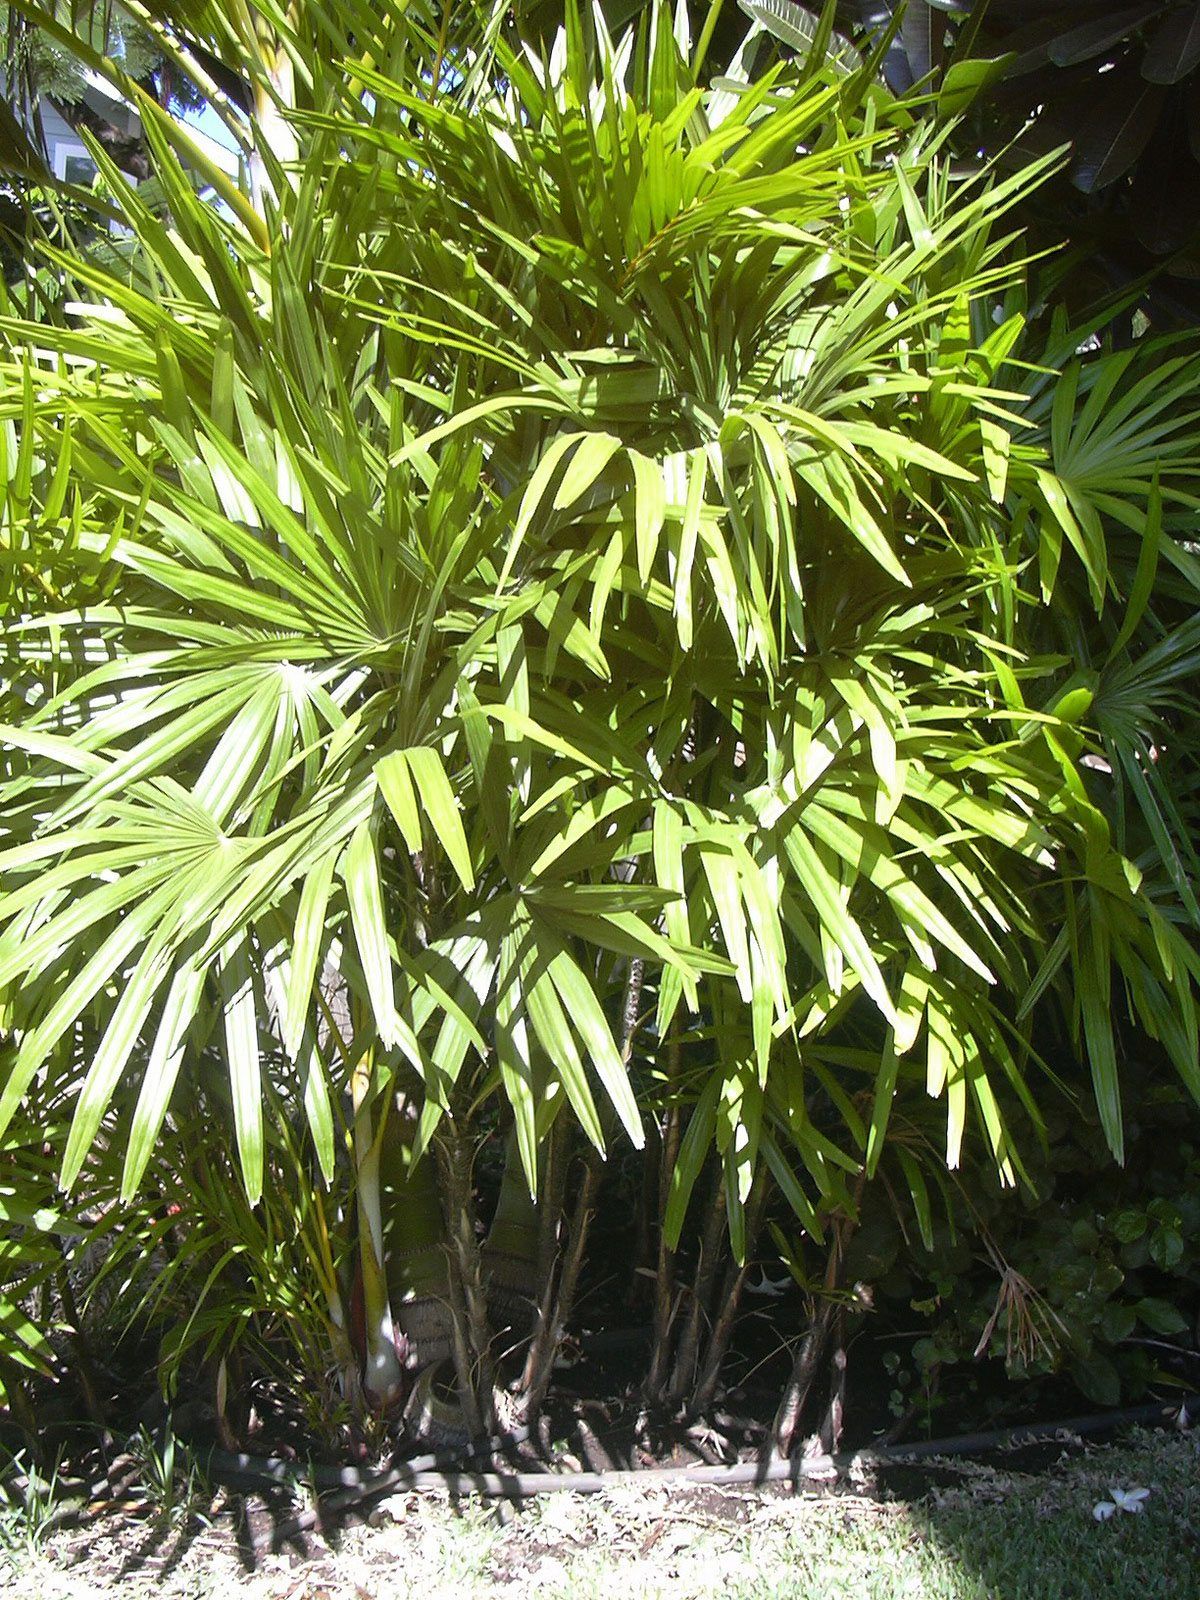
x=645 y=1246
x=713 y=1245
x=383 y=1375
x=809 y=1358
x=631 y=1007
x=516 y=1246
x=831 y=1428
x=349 y=1378
x=664 y=1276
x=815 y=1345
x=546 y=1334
x=585 y=1210
x=465 y=1367
x=728 y=1305
x=468 y=1302
x=554 y=1186
x=539 y=1367
x=539 y=1358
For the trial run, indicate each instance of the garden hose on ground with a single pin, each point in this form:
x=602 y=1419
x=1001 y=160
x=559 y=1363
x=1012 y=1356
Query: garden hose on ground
x=424 y=1473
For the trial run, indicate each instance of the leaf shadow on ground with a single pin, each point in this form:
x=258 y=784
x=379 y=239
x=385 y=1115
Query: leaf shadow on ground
x=1016 y=1525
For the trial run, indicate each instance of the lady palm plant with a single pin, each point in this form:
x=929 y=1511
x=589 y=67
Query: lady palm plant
x=575 y=647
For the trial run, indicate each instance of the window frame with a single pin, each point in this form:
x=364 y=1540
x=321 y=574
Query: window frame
x=68 y=150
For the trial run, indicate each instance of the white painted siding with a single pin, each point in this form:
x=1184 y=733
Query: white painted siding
x=56 y=126
x=68 y=154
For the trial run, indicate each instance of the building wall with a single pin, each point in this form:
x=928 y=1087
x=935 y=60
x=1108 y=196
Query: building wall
x=68 y=153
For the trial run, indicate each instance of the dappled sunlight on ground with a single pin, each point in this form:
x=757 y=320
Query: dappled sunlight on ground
x=982 y=1531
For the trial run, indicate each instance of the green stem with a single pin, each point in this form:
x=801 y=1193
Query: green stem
x=706 y=33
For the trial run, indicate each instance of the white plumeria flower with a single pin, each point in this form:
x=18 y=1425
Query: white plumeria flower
x=1131 y=1500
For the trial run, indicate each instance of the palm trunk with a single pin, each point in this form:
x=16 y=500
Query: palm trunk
x=810 y=1358
x=559 y=1150
x=546 y=1331
x=418 y=1265
x=382 y=1376
x=560 y=1301
x=814 y=1349
x=835 y=1415
x=512 y=1253
x=349 y=1376
x=664 y=1277
x=727 y=1307
x=713 y=1246
x=468 y=1302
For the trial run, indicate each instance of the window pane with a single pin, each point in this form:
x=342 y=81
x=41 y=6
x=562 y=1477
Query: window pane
x=80 y=170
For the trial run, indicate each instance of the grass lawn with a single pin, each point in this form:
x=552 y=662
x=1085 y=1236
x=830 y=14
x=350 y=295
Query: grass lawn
x=987 y=1532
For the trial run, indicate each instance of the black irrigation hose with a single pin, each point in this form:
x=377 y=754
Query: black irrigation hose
x=970 y=1444
x=279 y=1470
x=415 y=1475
